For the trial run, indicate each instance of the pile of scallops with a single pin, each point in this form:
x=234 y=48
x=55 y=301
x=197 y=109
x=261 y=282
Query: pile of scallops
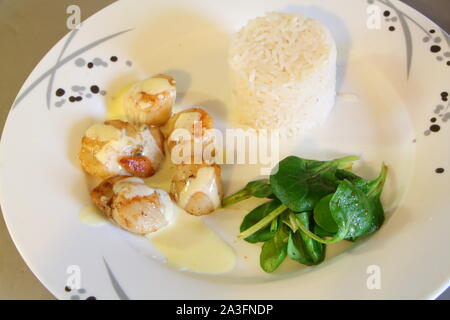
x=124 y=153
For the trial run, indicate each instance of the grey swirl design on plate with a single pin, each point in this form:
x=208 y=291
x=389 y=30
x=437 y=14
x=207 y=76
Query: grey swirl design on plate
x=78 y=93
x=429 y=34
x=88 y=90
x=76 y=295
x=60 y=92
x=441 y=115
x=52 y=75
x=117 y=288
x=62 y=62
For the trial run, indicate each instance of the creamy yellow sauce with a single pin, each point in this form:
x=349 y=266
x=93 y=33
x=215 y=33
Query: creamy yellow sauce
x=132 y=187
x=155 y=85
x=92 y=216
x=103 y=132
x=115 y=105
x=162 y=179
x=188 y=244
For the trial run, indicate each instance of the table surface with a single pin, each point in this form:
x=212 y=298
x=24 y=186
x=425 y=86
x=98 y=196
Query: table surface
x=30 y=31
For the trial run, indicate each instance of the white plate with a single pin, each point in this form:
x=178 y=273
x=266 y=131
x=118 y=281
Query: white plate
x=395 y=75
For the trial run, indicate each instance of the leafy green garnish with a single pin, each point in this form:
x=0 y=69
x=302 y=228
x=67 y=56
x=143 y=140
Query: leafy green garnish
x=263 y=222
x=313 y=203
x=322 y=232
x=373 y=192
x=301 y=183
x=323 y=217
x=352 y=211
x=314 y=251
x=274 y=251
x=296 y=249
x=256 y=215
x=372 y=189
x=259 y=189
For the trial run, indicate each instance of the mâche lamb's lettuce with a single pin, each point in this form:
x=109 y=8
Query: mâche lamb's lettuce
x=322 y=215
x=301 y=183
x=258 y=189
x=301 y=247
x=313 y=203
x=326 y=220
x=274 y=251
x=256 y=215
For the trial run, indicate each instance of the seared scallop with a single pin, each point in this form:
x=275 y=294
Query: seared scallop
x=121 y=148
x=190 y=135
x=134 y=206
x=197 y=188
x=150 y=101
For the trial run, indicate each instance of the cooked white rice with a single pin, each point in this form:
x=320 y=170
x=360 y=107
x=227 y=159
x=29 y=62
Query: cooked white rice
x=283 y=73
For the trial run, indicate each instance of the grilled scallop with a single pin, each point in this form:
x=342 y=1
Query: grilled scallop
x=121 y=148
x=134 y=206
x=197 y=188
x=150 y=101
x=190 y=134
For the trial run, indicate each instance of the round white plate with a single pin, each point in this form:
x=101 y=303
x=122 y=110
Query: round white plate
x=393 y=67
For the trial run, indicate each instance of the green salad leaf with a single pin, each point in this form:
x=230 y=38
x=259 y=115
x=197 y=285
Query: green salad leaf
x=352 y=211
x=373 y=192
x=258 y=188
x=322 y=232
x=300 y=183
x=323 y=217
x=269 y=216
x=296 y=249
x=255 y=216
x=314 y=249
x=274 y=251
x=372 y=189
x=313 y=203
